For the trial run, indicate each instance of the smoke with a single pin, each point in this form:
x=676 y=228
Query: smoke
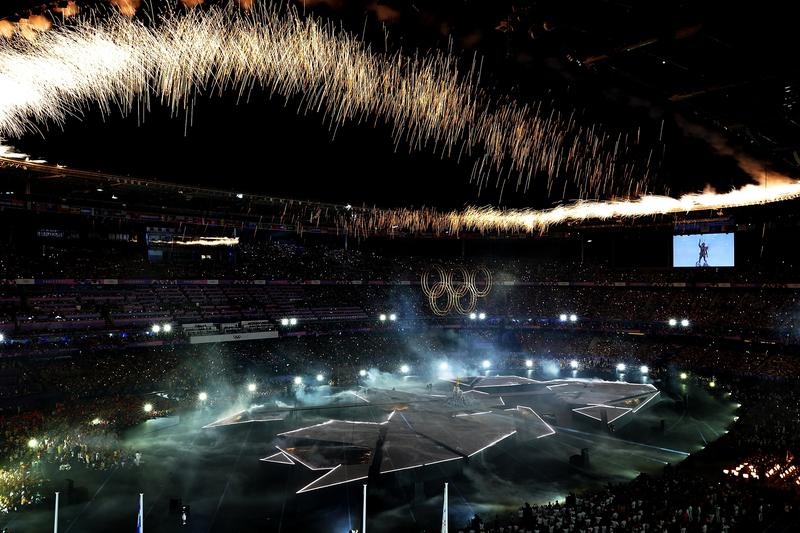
x=6 y=29
x=70 y=10
x=384 y=13
x=31 y=27
x=10 y=153
x=759 y=171
x=127 y=7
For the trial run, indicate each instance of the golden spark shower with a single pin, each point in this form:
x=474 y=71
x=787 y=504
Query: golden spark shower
x=430 y=102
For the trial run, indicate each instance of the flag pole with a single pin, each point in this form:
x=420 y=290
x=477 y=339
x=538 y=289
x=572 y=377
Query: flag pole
x=364 y=511
x=55 y=519
x=444 y=510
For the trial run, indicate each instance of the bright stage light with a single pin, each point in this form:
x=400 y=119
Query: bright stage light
x=562 y=317
x=573 y=364
x=202 y=396
x=405 y=369
x=573 y=318
x=320 y=377
x=473 y=316
x=96 y=422
x=155 y=328
x=529 y=363
x=621 y=367
x=443 y=365
x=644 y=369
x=712 y=384
x=672 y=322
x=392 y=317
x=486 y=363
x=362 y=373
x=167 y=328
x=251 y=387
x=298 y=380
x=684 y=375
x=2 y=337
x=33 y=443
x=148 y=407
x=292 y=321
x=284 y=321
x=481 y=316
x=685 y=322
x=382 y=317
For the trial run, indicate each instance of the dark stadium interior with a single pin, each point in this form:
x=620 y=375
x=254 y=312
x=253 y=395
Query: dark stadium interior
x=399 y=266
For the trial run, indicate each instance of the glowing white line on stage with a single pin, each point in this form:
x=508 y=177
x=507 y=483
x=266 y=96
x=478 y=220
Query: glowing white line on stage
x=293 y=456
x=499 y=385
x=212 y=425
x=475 y=414
x=593 y=406
x=223 y=418
x=548 y=426
x=492 y=443
x=636 y=410
x=391 y=415
x=274 y=459
x=616 y=439
x=358 y=396
x=307 y=427
x=551 y=387
x=421 y=465
x=502 y=402
x=305 y=489
x=519 y=381
x=476 y=392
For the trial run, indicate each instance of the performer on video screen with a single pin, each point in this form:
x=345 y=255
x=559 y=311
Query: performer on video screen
x=702 y=259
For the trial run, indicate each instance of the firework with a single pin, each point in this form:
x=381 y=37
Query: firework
x=431 y=102
x=364 y=222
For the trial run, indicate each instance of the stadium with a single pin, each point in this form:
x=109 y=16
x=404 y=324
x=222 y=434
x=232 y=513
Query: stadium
x=398 y=266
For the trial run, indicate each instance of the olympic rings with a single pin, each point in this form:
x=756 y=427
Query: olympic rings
x=454 y=285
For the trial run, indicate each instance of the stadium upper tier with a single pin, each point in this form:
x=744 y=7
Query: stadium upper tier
x=134 y=306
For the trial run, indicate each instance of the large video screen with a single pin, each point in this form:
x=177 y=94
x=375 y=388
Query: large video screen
x=703 y=250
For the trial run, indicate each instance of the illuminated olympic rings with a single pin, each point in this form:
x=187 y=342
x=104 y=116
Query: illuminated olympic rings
x=454 y=285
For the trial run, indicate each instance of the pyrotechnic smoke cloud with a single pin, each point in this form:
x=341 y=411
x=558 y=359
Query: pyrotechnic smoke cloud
x=127 y=7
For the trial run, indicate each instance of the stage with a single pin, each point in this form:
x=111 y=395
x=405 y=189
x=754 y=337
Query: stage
x=225 y=475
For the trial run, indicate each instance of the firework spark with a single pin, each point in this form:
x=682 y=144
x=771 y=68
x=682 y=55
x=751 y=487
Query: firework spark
x=364 y=221
x=430 y=102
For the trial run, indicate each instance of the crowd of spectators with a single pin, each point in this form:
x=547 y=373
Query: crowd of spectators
x=290 y=260
x=105 y=391
x=81 y=434
x=677 y=502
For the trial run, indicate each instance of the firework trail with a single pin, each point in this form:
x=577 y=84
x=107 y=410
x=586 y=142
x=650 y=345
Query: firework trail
x=430 y=102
